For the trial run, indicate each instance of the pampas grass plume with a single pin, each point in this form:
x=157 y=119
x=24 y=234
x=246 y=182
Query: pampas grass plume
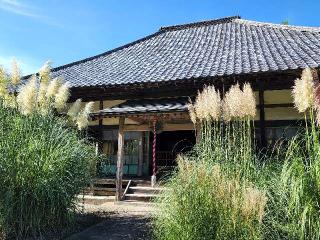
x=42 y=91
x=317 y=101
x=232 y=101
x=249 y=100
x=208 y=104
x=53 y=87
x=62 y=97
x=213 y=101
x=192 y=113
x=239 y=104
x=303 y=91
x=44 y=73
x=15 y=73
x=83 y=117
x=74 y=110
x=27 y=96
x=3 y=83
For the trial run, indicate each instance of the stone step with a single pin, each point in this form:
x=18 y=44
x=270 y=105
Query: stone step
x=140 y=196
x=145 y=189
x=136 y=203
x=95 y=200
x=101 y=191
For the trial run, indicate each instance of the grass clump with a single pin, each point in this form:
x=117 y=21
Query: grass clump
x=213 y=194
x=296 y=192
x=44 y=162
x=224 y=190
x=206 y=203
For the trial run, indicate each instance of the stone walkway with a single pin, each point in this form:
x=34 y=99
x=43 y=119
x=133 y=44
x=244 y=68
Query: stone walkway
x=124 y=221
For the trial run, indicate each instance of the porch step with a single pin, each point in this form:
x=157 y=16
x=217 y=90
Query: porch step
x=145 y=189
x=95 y=200
x=104 y=187
x=140 y=196
x=136 y=203
x=142 y=183
x=101 y=191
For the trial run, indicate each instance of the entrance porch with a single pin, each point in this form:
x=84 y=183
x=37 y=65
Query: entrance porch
x=149 y=135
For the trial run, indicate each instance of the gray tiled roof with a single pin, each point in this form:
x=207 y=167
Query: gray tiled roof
x=220 y=47
x=130 y=107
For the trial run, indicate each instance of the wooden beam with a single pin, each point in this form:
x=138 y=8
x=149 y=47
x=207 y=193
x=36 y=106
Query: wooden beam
x=278 y=105
x=120 y=159
x=166 y=127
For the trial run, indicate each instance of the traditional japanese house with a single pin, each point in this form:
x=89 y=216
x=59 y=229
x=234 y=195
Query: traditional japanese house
x=141 y=89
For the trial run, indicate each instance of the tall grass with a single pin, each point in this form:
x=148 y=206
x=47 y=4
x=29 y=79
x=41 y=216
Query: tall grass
x=223 y=181
x=296 y=192
x=205 y=203
x=212 y=193
x=44 y=162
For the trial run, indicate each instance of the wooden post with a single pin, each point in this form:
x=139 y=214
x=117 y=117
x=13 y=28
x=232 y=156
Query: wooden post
x=262 y=118
x=140 y=160
x=120 y=158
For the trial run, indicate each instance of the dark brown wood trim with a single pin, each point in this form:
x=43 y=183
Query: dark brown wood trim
x=184 y=87
x=101 y=108
x=278 y=105
x=262 y=118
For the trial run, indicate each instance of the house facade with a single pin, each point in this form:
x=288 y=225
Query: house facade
x=141 y=90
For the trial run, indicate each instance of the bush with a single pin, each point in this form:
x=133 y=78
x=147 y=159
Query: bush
x=44 y=164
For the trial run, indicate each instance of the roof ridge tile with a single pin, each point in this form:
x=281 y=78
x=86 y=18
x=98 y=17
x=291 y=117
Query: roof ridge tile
x=278 y=26
x=199 y=24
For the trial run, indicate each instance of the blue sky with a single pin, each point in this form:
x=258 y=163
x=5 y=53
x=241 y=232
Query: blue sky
x=65 y=31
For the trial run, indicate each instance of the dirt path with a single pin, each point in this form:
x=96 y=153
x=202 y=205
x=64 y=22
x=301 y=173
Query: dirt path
x=123 y=222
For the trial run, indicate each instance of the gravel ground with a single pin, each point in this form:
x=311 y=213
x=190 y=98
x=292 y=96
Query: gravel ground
x=123 y=221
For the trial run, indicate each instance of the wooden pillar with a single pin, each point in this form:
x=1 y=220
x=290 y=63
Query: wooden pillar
x=262 y=118
x=120 y=159
x=140 y=160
